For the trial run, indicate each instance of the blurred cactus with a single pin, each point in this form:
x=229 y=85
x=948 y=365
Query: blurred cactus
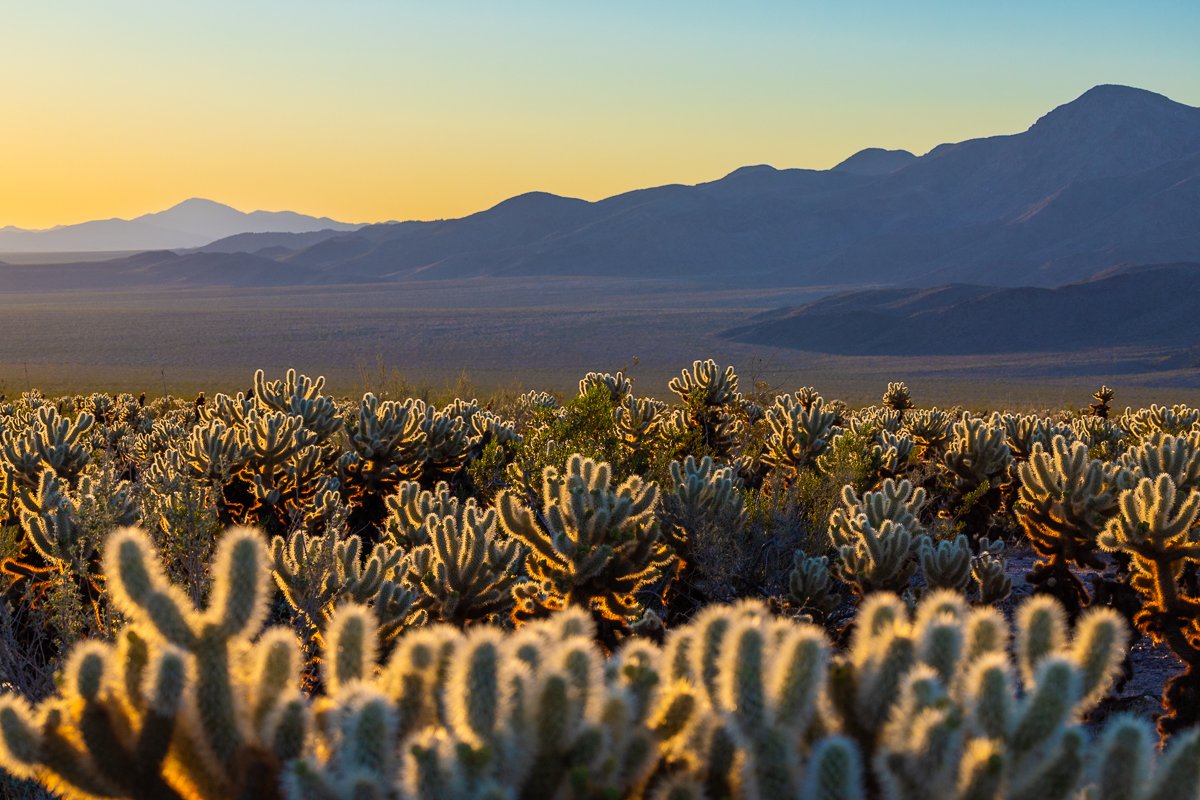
x=186 y=703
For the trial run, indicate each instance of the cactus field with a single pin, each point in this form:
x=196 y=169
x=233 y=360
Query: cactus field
x=693 y=591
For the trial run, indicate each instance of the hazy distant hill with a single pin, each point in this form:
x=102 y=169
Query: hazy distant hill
x=191 y=223
x=1141 y=307
x=1110 y=178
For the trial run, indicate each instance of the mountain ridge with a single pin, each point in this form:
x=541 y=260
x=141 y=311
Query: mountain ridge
x=1110 y=178
x=191 y=223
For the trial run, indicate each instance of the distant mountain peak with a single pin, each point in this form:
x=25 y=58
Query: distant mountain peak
x=199 y=202
x=534 y=201
x=875 y=161
x=1110 y=104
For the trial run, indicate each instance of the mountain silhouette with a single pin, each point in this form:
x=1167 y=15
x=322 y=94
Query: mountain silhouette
x=1109 y=179
x=192 y=223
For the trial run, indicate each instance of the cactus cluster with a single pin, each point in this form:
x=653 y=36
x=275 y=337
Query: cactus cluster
x=206 y=703
x=601 y=595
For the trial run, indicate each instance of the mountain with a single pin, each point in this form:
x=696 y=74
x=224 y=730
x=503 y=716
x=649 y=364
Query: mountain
x=1151 y=307
x=191 y=223
x=1111 y=178
x=876 y=161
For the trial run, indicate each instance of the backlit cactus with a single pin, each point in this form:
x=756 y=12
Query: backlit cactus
x=897 y=398
x=877 y=536
x=186 y=703
x=1064 y=501
x=589 y=544
x=618 y=387
x=797 y=435
x=1156 y=526
x=466 y=571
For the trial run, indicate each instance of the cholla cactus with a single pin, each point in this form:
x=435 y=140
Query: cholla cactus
x=619 y=387
x=638 y=420
x=930 y=428
x=1023 y=431
x=1102 y=436
x=897 y=398
x=797 y=436
x=299 y=396
x=214 y=452
x=536 y=399
x=989 y=570
x=411 y=506
x=876 y=537
x=1103 y=402
x=50 y=442
x=713 y=431
x=977 y=462
x=1064 y=501
x=978 y=454
x=1157 y=528
x=187 y=703
x=704 y=515
x=736 y=704
x=466 y=572
x=1176 y=420
x=591 y=545
x=316 y=573
x=806 y=396
x=946 y=564
x=811 y=588
x=705 y=385
x=387 y=446
x=1163 y=454
x=447 y=444
x=897 y=501
x=703 y=493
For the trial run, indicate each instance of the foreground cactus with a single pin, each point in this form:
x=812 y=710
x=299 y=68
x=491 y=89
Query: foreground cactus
x=736 y=704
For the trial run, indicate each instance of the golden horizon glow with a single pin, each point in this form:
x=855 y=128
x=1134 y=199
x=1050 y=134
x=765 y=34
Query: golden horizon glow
x=394 y=111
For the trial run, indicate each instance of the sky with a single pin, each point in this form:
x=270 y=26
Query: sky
x=372 y=110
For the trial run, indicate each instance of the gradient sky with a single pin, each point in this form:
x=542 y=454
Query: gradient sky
x=382 y=109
